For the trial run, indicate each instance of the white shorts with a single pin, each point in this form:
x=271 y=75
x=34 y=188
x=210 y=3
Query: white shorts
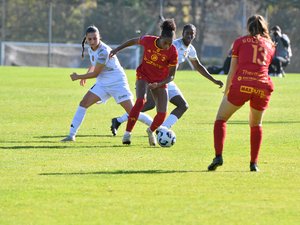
x=120 y=92
x=173 y=90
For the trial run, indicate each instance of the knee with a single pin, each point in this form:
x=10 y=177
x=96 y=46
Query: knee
x=185 y=106
x=140 y=102
x=84 y=103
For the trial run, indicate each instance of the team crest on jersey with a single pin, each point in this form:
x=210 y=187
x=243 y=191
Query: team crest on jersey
x=154 y=57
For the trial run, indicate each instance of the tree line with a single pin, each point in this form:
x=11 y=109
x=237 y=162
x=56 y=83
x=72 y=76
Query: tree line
x=218 y=22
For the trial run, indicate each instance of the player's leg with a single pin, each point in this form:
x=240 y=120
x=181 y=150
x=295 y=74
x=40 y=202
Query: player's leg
x=88 y=100
x=256 y=133
x=176 y=98
x=141 y=89
x=150 y=103
x=225 y=111
x=258 y=104
x=181 y=107
x=160 y=96
x=143 y=117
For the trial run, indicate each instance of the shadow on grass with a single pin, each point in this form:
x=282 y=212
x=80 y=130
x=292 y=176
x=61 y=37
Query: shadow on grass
x=130 y=172
x=58 y=147
x=264 y=122
x=77 y=136
x=247 y=122
x=122 y=172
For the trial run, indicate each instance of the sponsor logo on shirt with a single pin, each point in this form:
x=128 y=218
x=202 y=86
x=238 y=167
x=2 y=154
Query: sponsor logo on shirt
x=154 y=57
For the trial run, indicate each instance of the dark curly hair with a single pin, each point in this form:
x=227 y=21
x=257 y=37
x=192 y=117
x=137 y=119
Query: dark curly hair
x=189 y=26
x=168 y=28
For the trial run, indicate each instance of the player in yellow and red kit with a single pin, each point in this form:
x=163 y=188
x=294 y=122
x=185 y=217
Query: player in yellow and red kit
x=247 y=80
x=158 y=68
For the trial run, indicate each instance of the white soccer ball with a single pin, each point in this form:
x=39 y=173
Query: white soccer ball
x=166 y=137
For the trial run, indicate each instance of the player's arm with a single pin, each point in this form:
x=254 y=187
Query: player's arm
x=126 y=44
x=83 y=81
x=203 y=71
x=233 y=67
x=172 y=71
x=89 y=75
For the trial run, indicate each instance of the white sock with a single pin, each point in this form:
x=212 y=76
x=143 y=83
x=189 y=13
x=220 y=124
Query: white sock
x=146 y=119
x=77 y=120
x=123 y=118
x=170 y=121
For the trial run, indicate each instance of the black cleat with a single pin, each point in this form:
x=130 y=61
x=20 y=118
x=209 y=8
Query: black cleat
x=217 y=161
x=254 y=167
x=114 y=126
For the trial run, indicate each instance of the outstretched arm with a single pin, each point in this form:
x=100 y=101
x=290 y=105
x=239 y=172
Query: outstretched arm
x=97 y=70
x=203 y=71
x=126 y=44
x=83 y=81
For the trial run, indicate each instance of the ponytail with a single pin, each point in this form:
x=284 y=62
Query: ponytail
x=82 y=44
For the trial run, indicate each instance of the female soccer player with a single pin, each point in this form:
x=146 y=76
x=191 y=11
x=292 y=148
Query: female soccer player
x=111 y=81
x=247 y=80
x=156 y=70
x=185 y=50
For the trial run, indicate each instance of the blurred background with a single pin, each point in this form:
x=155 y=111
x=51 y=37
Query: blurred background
x=49 y=32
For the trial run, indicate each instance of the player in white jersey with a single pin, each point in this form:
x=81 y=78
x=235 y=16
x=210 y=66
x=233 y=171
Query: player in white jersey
x=111 y=81
x=185 y=51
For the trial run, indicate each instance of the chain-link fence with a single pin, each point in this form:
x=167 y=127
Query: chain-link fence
x=54 y=24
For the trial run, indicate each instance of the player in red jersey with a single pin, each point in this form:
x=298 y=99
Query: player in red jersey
x=247 y=80
x=158 y=68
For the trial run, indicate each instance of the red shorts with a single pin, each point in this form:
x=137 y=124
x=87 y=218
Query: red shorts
x=259 y=97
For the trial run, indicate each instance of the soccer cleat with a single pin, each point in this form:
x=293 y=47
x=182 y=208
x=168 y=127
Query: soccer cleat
x=254 y=167
x=68 y=139
x=151 y=137
x=126 y=139
x=114 y=126
x=217 y=161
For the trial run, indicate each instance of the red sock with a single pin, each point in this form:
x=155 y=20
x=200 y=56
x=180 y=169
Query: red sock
x=219 y=136
x=134 y=113
x=255 y=141
x=158 y=120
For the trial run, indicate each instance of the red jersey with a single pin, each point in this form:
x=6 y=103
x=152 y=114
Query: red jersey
x=254 y=57
x=156 y=61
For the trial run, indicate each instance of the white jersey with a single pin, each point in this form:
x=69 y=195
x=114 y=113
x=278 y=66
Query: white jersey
x=184 y=51
x=113 y=72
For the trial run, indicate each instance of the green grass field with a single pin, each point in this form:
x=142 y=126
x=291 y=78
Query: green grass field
x=97 y=180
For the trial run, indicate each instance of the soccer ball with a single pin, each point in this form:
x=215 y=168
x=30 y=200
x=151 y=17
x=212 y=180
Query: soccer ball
x=166 y=137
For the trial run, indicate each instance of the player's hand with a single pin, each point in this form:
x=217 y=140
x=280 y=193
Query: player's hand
x=113 y=52
x=153 y=85
x=220 y=83
x=82 y=82
x=74 y=76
